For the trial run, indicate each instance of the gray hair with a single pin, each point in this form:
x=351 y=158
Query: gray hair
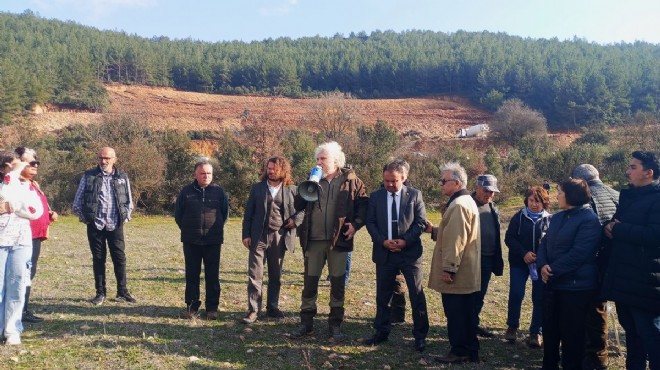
x=201 y=162
x=585 y=172
x=457 y=172
x=333 y=150
x=397 y=165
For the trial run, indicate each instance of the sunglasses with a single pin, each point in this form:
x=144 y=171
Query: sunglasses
x=443 y=181
x=34 y=163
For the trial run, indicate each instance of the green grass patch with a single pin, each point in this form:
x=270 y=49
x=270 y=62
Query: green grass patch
x=149 y=334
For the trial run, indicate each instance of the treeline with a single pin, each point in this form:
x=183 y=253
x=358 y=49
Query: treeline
x=573 y=83
x=159 y=163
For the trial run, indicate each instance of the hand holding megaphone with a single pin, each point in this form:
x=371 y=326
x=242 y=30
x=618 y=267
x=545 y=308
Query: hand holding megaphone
x=310 y=190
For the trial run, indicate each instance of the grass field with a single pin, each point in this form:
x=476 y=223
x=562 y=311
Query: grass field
x=149 y=334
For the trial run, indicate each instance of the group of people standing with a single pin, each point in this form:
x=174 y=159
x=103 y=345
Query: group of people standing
x=598 y=247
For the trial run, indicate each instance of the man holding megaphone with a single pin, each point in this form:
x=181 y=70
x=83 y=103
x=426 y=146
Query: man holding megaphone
x=335 y=208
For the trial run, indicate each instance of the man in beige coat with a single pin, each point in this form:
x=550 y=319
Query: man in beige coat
x=455 y=268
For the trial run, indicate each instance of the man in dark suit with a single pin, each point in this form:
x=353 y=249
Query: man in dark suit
x=395 y=220
x=269 y=229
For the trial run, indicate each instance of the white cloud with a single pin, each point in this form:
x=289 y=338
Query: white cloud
x=278 y=10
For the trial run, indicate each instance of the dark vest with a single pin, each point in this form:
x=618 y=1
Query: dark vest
x=274 y=211
x=90 y=196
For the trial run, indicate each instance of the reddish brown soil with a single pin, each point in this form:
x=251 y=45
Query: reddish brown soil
x=163 y=108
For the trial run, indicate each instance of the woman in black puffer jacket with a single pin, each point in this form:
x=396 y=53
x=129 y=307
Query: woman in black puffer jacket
x=567 y=257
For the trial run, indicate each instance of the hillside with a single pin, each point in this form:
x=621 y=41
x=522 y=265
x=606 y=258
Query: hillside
x=166 y=108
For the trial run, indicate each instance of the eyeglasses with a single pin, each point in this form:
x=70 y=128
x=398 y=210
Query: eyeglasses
x=443 y=181
x=106 y=158
x=34 y=164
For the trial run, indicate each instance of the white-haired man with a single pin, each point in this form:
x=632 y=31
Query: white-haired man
x=326 y=233
x=455 y=267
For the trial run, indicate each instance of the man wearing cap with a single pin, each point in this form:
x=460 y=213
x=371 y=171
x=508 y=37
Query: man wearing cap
x=491 y=244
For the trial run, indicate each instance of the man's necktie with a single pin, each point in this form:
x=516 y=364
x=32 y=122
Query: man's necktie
x=395 y=218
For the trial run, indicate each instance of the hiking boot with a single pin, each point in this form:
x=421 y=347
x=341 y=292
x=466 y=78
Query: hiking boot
x=250 y=318
x=301 y=331
x=336 y=335
x=98 y=299
x=534 y=341
x=511 y=334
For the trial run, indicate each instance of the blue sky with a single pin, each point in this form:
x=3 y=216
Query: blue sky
x=601 y=21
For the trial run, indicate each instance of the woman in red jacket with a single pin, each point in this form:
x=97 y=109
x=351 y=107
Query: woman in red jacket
x=39 y=226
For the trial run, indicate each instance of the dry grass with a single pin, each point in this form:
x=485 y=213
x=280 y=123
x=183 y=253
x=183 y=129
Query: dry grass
x=148 y=335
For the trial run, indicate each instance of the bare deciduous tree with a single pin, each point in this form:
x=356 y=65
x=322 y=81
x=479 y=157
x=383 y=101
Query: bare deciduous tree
x=515 y=120
x=335 y=114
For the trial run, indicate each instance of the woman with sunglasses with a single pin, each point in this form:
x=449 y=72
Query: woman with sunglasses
x=38 y=226
x=20 y=206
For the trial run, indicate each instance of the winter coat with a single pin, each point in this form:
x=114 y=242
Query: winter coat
x=632 y=276
x=569 y=248
x=201 y=214
x=351 y=206
x=458 y=248
x=524 y=235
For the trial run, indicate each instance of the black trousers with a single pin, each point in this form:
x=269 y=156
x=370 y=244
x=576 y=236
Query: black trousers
x=564 y=323
x=98 y=239
x=194 y=255
x=385 y=280
x=461 y=326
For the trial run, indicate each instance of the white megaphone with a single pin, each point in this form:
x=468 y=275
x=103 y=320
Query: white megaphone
x=310 y=190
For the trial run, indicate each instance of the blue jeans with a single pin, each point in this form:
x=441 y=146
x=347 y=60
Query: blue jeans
x=517 y=282
x=642 y=336
x=15 y=268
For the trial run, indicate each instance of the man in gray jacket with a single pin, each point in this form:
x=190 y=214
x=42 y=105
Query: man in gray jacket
x=604 y=201
x=269 y=230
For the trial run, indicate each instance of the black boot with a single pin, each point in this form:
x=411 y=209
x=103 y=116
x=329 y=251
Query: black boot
x=335 y=319
x=306 y=326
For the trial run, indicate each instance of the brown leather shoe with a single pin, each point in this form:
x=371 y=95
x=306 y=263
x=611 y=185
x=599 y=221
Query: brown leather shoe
x=250 y=318
x=452 y=359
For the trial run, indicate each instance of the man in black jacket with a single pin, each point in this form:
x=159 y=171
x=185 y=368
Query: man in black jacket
x=632 y=277
x=201 y=212
x=103 y=202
